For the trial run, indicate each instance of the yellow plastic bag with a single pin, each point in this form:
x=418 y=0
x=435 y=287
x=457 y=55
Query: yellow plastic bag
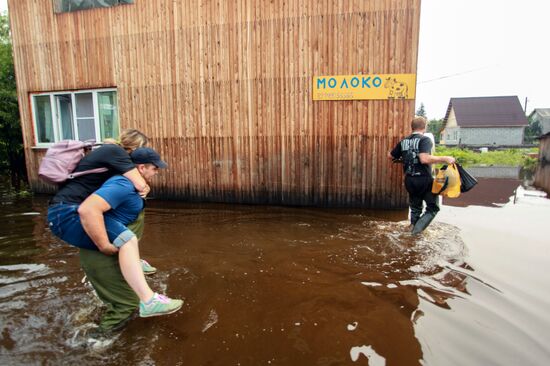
x=440 y=182
x=447 y=182
x=453 y=188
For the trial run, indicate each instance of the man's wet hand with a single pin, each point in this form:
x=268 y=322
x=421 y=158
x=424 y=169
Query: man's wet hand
x=108 y=249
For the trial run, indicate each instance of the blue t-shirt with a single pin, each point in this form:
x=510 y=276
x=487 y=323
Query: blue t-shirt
x=121 y=195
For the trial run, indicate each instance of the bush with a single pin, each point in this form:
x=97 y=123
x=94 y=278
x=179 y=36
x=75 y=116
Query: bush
x=509 y=157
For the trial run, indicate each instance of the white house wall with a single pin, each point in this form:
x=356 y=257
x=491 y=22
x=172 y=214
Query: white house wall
x=451 y=135
x=451 y=120
x=496 y=136
x=451 y=132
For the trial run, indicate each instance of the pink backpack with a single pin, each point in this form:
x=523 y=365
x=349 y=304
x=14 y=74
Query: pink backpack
x=62 y=158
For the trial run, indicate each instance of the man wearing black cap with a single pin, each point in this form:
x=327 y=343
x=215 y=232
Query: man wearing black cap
x=103 y=224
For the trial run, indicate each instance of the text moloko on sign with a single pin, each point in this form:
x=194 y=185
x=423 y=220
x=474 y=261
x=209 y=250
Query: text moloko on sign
x=364 y=87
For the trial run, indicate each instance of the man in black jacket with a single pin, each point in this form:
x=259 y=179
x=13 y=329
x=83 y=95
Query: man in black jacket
x=415 y=153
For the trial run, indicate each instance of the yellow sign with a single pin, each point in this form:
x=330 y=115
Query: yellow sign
x=364 y=87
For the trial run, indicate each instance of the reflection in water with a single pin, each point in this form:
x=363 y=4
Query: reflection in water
x=491 y=192
x=263 y=285
x=496 y=185
x=374 y=358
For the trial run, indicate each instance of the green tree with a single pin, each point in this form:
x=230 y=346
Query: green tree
x=435 y=126
x=11 y=141
x=421 y=110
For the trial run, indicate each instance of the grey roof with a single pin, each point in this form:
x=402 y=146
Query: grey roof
x=542 y=112
x=487 y=112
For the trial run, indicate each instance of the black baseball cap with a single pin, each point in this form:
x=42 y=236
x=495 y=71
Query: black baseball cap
x=146 y=155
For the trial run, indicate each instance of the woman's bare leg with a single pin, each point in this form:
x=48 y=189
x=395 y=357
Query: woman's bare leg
x=130 y=265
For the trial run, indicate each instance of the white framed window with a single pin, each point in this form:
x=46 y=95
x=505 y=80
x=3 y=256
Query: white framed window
x=74 y=115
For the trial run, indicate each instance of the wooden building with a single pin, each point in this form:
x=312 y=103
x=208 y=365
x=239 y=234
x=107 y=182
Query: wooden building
x=542 y=174
x=224 y=90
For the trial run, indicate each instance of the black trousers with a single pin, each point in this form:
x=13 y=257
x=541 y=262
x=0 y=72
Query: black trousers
x=420 y=190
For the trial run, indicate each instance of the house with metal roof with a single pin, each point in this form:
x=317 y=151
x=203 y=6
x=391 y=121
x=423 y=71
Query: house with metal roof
x=484 y=122
x=542 y=116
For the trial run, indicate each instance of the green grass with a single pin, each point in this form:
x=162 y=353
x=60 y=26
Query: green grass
x=509 y=157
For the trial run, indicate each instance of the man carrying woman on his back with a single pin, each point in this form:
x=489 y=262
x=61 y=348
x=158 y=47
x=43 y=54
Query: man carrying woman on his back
x=64 y=218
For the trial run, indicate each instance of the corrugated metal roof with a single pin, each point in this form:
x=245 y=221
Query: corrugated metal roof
x=543 y=112
x=487 y=112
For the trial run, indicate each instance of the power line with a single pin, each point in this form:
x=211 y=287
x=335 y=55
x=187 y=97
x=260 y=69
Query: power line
x=453 y=75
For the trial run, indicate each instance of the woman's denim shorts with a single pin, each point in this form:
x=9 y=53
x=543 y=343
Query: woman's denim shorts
x=64 y=222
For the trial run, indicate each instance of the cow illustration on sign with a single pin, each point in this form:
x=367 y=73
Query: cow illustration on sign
x=398 y=89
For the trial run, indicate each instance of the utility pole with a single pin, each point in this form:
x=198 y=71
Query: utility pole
x=525 y=108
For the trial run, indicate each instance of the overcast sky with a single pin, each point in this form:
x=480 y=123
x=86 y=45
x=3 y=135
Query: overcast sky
x=492 y=47
x=472 y=48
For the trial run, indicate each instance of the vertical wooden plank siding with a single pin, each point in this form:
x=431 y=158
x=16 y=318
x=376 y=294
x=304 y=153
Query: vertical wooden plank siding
x=223 y=88
x=542 y=174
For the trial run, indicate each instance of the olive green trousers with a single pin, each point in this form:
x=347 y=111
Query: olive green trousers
x=104 y=274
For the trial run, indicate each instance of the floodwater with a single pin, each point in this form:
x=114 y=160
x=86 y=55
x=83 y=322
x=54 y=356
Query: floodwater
x=293 y=286
x=496 y=185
